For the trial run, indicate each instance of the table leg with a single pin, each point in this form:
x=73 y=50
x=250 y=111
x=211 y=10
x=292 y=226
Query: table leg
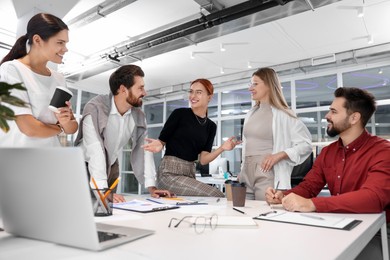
x=385 y=248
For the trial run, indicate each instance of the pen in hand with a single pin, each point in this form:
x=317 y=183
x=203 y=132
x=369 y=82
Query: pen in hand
x=276 y=189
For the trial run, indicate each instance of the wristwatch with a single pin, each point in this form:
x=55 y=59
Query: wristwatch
x=61 y=128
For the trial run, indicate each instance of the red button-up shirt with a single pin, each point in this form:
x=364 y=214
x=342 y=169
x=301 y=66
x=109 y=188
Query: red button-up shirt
x=358 y=177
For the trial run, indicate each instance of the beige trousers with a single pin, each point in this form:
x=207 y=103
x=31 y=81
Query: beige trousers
x=256 y=181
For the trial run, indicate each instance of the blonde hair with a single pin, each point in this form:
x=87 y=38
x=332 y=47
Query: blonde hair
x=277 y=99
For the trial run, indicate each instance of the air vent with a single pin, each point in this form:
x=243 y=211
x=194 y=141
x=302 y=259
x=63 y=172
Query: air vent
x=323 y=59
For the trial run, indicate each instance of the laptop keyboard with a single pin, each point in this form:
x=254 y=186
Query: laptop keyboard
x=106 y=236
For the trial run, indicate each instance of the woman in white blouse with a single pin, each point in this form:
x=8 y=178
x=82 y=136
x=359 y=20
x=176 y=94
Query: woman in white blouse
x=274 y=139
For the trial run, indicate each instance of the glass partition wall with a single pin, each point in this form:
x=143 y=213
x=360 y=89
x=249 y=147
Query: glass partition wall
x=308 y=94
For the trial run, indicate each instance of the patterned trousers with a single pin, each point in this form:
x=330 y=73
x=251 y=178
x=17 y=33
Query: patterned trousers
x=178 y=176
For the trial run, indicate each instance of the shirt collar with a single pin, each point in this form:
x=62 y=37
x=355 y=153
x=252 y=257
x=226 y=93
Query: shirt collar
x=357 y=143
x=114 y=110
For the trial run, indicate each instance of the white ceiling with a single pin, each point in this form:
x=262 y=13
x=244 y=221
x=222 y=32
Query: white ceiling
x=333 y=28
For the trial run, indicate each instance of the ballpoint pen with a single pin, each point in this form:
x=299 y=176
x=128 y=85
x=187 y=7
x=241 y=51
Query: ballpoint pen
x=276 y=189
x=242 y=212
x=191 y=203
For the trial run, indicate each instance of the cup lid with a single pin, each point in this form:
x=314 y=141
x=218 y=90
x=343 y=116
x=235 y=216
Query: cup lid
x=238 y=184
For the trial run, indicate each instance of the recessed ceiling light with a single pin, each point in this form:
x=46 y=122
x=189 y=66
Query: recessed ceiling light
x=360 y=12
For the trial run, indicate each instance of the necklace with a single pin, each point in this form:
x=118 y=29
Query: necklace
x=201 y=121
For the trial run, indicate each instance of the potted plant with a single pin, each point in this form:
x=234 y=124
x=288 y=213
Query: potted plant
x=5 y=97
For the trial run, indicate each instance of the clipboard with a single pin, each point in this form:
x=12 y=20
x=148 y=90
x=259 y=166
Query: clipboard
x=176 y=201
x=143 y=206
x=309 y=219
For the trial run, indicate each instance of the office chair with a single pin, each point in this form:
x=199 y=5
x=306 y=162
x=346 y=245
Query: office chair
x=300 y=171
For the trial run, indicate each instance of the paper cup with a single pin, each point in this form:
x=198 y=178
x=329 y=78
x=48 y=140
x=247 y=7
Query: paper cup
x=61 y=95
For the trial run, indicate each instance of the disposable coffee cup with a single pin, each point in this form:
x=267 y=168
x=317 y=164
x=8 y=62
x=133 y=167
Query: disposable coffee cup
x=228 y=189
x=61 y=95
x=238 y=194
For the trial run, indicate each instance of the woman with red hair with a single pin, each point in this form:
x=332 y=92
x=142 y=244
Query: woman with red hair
x=188 y=135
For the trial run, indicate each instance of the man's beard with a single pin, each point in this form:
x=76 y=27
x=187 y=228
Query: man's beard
x=334 y=130
x=133 y=101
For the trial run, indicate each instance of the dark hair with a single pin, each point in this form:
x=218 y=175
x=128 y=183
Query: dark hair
x=42 y=24
x=207 y=84
x=124 y=75
x=358 y=100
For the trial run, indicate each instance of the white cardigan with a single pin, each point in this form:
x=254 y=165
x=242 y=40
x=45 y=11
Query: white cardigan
x=289 y=135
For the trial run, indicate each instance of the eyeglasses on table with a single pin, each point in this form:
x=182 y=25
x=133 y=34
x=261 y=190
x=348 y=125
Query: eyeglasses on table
x=199 y=223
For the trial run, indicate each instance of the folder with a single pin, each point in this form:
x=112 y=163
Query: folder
x=143 y=206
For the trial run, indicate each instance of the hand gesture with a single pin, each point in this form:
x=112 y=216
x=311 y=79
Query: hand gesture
x=230 y=143
x=153 y=145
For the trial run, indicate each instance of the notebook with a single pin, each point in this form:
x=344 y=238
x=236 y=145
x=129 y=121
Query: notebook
x=44 y=195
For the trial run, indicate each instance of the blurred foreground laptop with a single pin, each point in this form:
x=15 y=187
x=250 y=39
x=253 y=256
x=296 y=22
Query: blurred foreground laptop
x=44 y=194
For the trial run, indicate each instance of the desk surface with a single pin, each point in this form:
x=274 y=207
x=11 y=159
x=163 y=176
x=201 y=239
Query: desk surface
x=270 y=240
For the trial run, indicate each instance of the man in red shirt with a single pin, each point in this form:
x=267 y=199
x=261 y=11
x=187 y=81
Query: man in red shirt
x=356 y=167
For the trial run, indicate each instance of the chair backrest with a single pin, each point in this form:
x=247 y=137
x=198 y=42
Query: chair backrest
x=300 y=171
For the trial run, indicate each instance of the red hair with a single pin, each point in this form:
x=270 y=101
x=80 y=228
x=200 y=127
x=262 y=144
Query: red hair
x=207 y=84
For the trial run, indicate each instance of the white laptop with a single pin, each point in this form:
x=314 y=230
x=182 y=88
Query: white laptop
x=44 y=194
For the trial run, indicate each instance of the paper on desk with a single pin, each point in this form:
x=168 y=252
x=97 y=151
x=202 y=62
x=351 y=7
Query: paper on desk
x=200 y=209
x=236 y=222
x=143 y=206
x=177 y=201
x=311 y=220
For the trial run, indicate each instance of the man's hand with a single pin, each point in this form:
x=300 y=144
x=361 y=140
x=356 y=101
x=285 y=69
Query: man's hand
x=294 y=202
x=118 y=198
x=273 y=196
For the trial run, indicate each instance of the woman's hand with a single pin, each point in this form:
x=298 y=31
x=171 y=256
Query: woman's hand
x=272 y=159
x=153 y=145
x=230 y=143
x=65 y=114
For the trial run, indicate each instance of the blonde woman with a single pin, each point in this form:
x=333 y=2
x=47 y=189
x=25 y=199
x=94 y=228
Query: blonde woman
x=274 y=139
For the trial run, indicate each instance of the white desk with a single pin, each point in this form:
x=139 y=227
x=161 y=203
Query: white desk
x=218 y=182
x=270 y=240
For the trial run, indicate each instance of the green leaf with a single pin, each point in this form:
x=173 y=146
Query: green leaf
x=6 y=113
x=4 y=125
x=12 y=101
x=5 y=97
x=4 y=86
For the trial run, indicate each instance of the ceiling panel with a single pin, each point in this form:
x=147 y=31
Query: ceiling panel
x=271 y=40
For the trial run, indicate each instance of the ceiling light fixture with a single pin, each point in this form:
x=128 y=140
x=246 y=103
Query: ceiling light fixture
x=195 y=53
x=380 y=71
x=370 y=39
x=360 y=12
x=222 y=71
x=249 y=65
x=222 y=47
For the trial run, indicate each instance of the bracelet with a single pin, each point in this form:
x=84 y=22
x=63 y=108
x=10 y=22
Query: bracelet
x=61 y=128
